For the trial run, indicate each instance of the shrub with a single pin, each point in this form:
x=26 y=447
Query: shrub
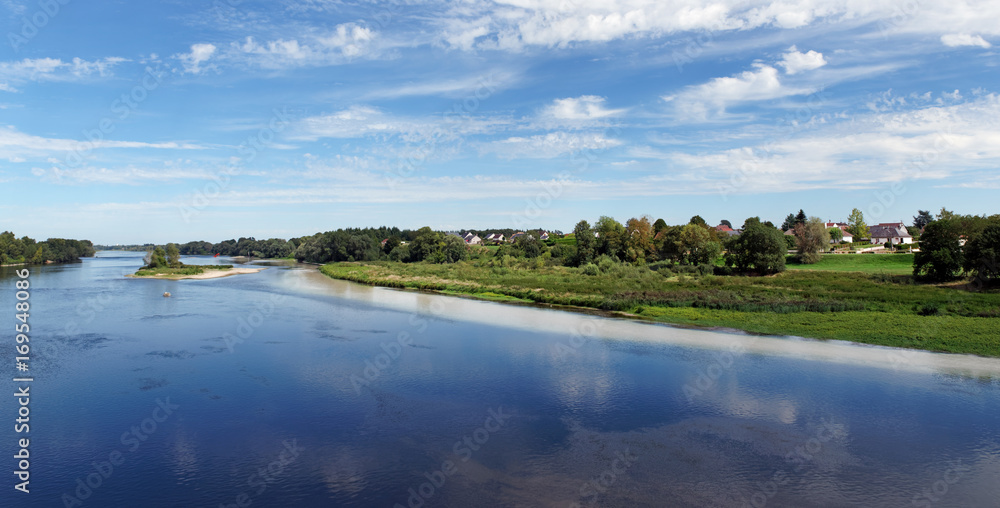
x=590 y=269
x=605 y=263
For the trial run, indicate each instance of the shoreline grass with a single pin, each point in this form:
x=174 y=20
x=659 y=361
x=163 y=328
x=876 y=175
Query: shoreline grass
x=872 y=303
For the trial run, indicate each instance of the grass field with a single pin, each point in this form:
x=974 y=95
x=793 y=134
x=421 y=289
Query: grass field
x=856 y=300
x=869 y=263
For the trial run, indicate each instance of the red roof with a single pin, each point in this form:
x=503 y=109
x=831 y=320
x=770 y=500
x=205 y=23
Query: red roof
x=723 y=227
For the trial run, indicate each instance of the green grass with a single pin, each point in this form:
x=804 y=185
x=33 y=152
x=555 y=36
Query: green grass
x=184 y=270
x=855 y=300
x=900 y=264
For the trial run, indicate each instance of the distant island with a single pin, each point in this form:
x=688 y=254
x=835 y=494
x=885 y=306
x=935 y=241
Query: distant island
x=166 y=264
x=28 y=251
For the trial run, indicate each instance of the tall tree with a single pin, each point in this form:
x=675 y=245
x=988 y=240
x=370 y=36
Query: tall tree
x=812 y=238
x=584 y=243
x=982 y=254
x=611 y=237
x=758 y=249
x=697 y=245
x=856 y=225
x=698 y=220
x=789 y=222
x=659 y=225
x=173 y=255
x=922 y=218
x=639 y=239
x=940 y=257
x=726 y=223
x=800 y=218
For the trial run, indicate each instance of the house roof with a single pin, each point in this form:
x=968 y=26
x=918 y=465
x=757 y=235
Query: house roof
x=889 y=230
x=723 y=227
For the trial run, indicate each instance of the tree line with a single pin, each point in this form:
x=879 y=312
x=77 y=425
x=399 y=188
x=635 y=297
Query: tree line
x=26 y=250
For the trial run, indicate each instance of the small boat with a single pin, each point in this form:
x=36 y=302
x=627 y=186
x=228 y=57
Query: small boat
x=166 y=294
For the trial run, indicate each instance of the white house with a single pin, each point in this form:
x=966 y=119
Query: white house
x=544 y=236
x=473 y=239
x=847 y=237
x=886 y=232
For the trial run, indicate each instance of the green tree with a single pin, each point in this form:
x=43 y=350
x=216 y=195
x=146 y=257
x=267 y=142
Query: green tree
x=173 y=256
x=698 y=221
x=658 y=226
x=836 y=235
x=982 y=255
x=940 y=257
x=156 y=258
x=789 y=222
x=800 y=218
x=453 y=249
x=921 y=219
x=639 y=239
x=758 y=249
x=584 y=237
x=856 y=225
x=611 y=238
x=812 y=238
x=697 y=246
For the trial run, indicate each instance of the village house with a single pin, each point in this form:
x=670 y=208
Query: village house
x=847 y=237
x=728 y=231
x=890 y=232
x=495 y=238
x=472 y=239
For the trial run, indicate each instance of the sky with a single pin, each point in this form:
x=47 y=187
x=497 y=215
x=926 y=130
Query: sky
x=157 y=121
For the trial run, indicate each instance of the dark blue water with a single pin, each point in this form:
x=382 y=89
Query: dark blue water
x=282 y=388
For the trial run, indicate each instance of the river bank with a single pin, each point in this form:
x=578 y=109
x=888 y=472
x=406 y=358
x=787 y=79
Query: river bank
x=869 y=308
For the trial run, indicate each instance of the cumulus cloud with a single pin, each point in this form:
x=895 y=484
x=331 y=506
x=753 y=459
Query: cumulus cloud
x=795 y=62
x=712 y=98
x=199 y=54
x=343 y=43
x=955 y=40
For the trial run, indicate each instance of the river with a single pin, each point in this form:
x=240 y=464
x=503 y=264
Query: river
x=286 y=388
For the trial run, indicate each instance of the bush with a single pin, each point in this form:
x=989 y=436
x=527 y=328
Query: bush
x=929 y=310
x=706 y=269
x=590 y=269
x=605 y=263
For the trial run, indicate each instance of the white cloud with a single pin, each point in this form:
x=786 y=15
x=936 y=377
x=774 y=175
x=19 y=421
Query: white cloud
x=583 y=108
x=339 y=45
x=547 y=146
x=54 y=69
x=14 y=143
x=700 y=102
x=930 y=142
x=955 y=40
x=366 y=121
x=795 y=62
x=199 y=54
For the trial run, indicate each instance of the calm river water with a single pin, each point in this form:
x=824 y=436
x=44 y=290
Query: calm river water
x=285 y=388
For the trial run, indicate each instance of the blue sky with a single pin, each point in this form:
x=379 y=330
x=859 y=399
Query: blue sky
x=132 y=122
